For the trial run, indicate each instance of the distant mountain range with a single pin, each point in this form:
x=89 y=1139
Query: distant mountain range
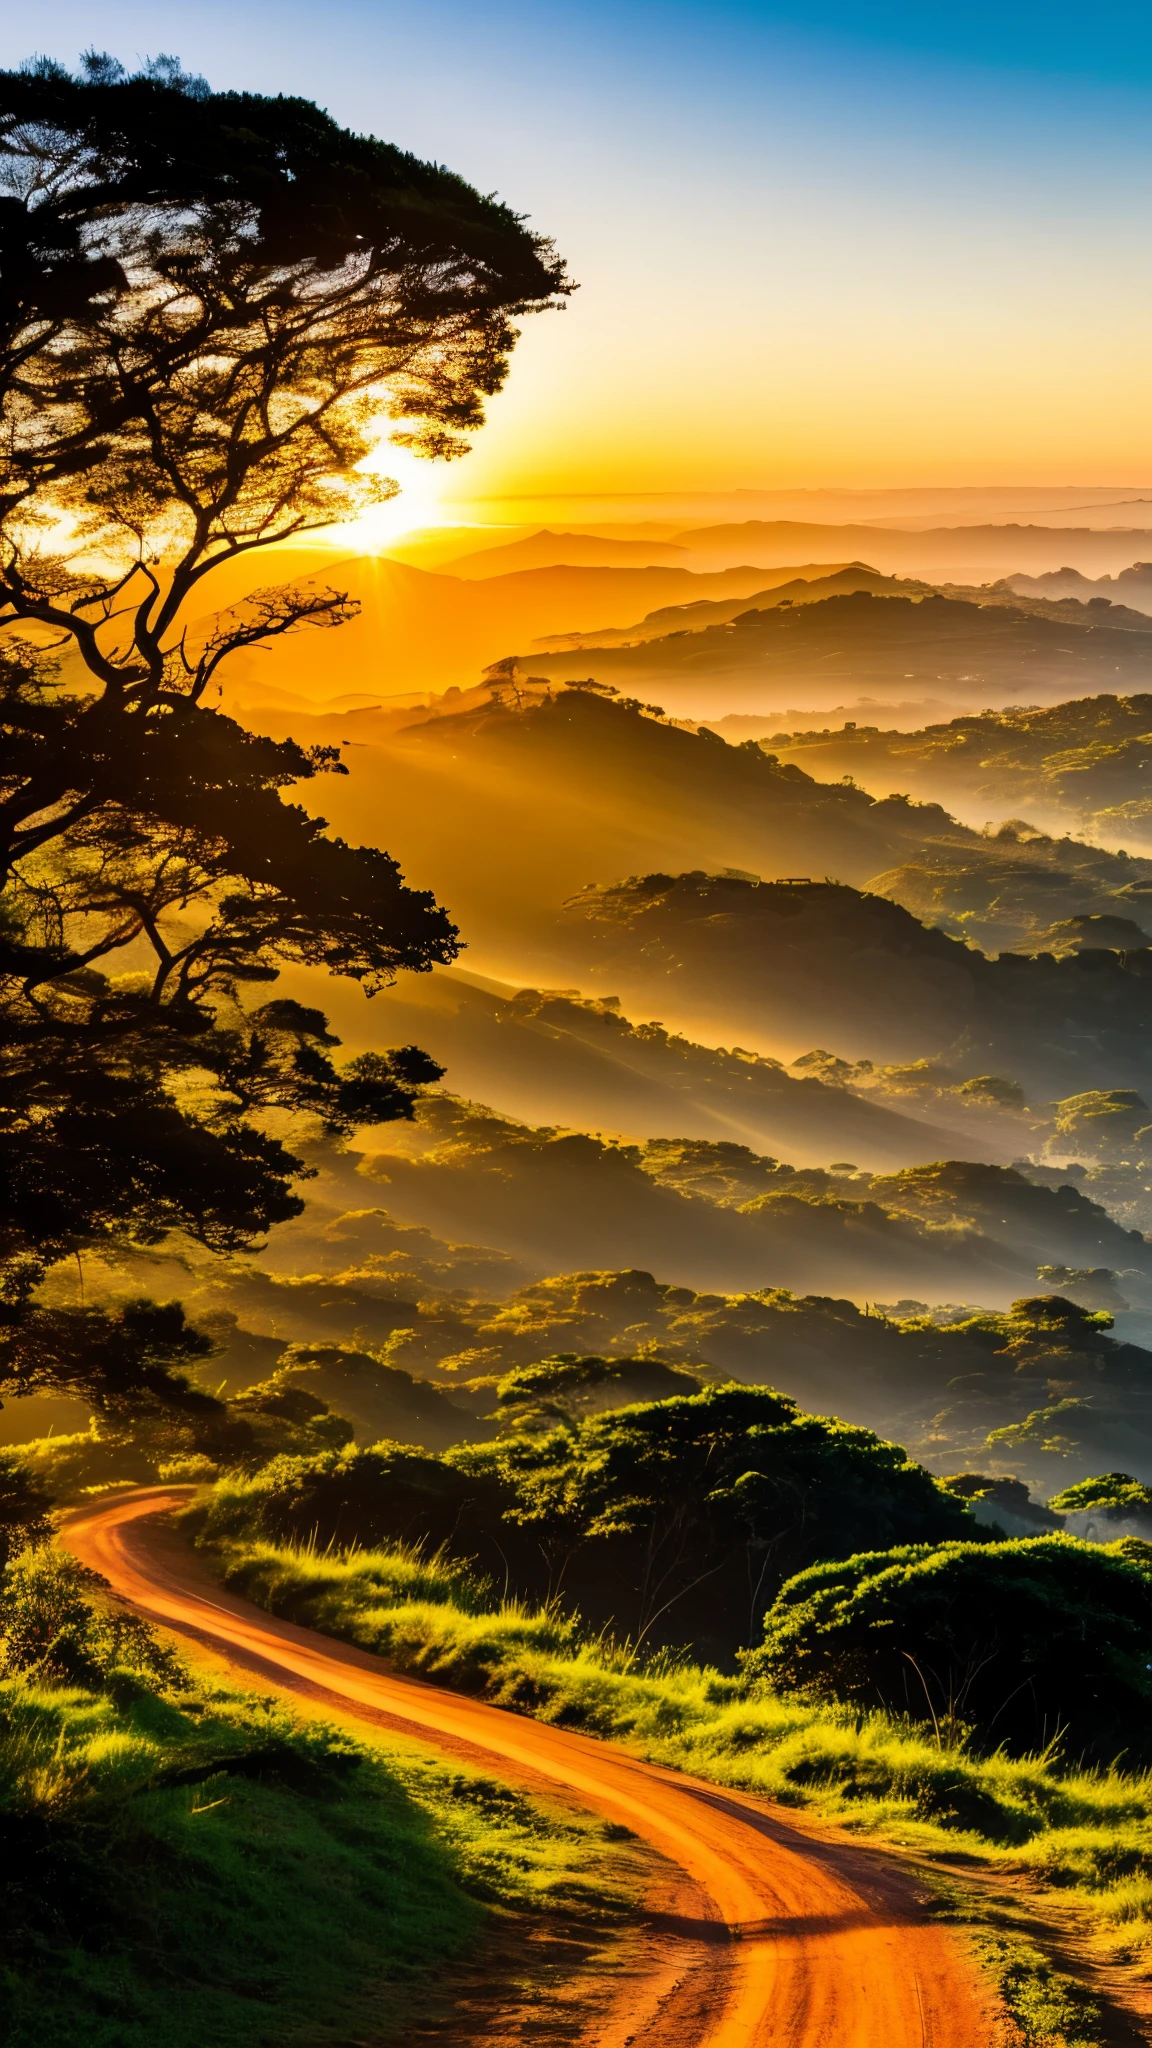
x=1082 y=766
x=420 y=632
x=1132 y=587
x=967 y=554
x=777 y=653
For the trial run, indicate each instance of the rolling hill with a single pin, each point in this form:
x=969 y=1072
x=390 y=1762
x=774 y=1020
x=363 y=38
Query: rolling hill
x=815 y=652
x=788 y=960
x=1083 y=766
x=506 y=811
x=420 y=631
x=549 y=1056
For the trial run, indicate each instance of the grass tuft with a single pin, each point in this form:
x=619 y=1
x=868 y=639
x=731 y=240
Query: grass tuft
x=1087 y=1832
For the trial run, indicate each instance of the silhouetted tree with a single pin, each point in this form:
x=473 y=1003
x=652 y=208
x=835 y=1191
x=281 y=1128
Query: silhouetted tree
x=212 y=305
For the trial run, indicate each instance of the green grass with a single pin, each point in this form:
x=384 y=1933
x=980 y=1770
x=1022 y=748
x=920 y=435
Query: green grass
x=188 y=1867
x=1087 y=1833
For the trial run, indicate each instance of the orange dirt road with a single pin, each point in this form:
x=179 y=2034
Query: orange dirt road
x=822 y=1942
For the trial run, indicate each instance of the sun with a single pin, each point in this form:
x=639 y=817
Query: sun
x=417 y=504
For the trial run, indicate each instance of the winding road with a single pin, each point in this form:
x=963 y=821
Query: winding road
x=800 y=1939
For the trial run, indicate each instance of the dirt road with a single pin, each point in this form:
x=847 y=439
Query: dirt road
x=815 y=1942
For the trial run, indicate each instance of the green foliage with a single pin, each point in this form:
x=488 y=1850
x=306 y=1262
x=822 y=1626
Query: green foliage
x=1041 y=1818
x=1006 y=1502
x=24 y=1505
x=1103 y=1124
x=53 y=1628
x=668 y=1521
x=1029 y=1641
x=186 y=1866
x=562 y=1388
x=1114 y=1495
x=938 y=1381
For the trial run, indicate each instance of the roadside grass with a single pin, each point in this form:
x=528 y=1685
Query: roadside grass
x=187 y=1866
x=1041 y=1820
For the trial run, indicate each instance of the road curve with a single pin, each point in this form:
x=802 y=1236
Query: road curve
x=826 y=1948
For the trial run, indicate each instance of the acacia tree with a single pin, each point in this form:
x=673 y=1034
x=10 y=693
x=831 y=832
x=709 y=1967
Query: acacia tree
x=212 y=306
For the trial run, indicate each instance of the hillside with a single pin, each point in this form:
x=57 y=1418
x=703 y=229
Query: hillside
x=549 y=1056
x=549 y=1197
x=817 y=959
x=816 y=582
x=1084 y=766
x=860 y=642
x=1071 y=1399
x=586 y=791
x=802 y=586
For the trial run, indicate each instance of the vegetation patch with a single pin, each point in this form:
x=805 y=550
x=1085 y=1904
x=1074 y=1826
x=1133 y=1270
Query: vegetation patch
x=189 y=1867
x=1086 y=1831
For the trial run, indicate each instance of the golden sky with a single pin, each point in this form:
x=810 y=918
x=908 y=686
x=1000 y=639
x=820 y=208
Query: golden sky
x=817 y=245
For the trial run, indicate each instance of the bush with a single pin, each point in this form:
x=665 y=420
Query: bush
x=55 y=1626
x=669 y=1521
x=1027 y=1641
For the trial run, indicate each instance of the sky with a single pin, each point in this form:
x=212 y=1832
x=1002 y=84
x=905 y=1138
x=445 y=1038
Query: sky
x=816 y=245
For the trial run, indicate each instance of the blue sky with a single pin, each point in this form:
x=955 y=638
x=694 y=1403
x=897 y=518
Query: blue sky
x=822 y=244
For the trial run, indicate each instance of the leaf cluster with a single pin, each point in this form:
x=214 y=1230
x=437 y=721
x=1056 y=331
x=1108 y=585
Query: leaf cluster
x=666 y=1521
x=1028 y=1640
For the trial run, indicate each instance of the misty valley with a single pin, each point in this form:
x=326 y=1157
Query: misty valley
x=575 y=1259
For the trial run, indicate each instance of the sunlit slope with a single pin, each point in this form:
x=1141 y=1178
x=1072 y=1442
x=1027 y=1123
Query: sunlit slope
x=937 y=1388
x=822 y=961
x=553 y=1058
x=882 y=644
x=1083 y=766
x=506 y=813
x=713 y=1216
x=805 y=586
x=422 y=631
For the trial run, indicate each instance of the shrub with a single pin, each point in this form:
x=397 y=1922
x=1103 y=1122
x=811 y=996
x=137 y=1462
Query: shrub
x=1027 y=1641
x=55 y=1626
x=667 y=1521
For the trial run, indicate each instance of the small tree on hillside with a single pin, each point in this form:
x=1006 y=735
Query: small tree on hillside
x=211 y=304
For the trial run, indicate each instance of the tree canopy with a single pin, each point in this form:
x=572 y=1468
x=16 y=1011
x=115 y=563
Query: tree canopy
x=213 y=308
x=1031 y=1640
x=669 y=1521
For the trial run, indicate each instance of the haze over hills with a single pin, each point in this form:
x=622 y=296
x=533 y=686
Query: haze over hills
x=731 y=1223
x=423 y=632
x=1131 y=587
x=878 y=644
x=1084 y=766
x=588 y=791
x=801 y=586
x=547 y=550
x=808 y=959
x=662 y=514
x=550 y=1056
x=961 y=554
